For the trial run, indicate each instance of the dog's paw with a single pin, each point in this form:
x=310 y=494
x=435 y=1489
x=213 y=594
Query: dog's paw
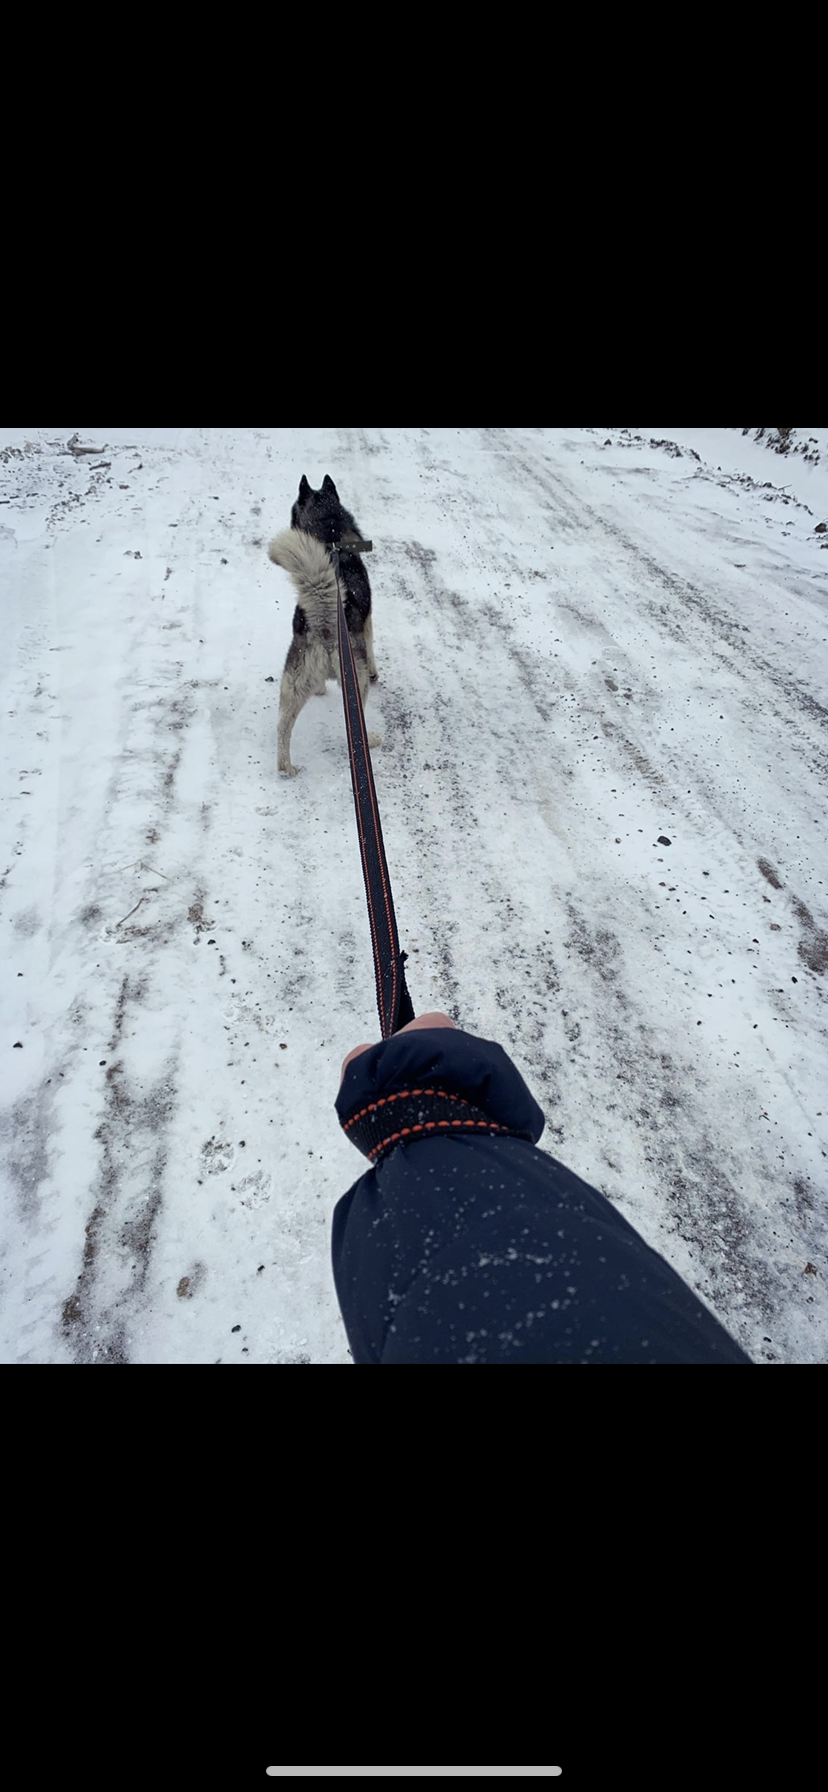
x=289 y=771
x=375 y=740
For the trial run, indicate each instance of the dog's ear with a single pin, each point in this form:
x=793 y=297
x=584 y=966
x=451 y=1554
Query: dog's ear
x=304 y=488
x=328 y=485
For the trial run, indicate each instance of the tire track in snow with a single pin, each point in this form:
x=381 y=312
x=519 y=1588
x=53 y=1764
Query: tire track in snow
x=782 y=1291
x=125 y=930
x=690 y=616
x=703 y=1188
x=100 y=1314
x=453 y=739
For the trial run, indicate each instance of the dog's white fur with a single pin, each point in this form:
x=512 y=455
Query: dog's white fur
x=313 y=655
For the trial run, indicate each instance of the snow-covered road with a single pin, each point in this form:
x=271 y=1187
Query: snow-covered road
x=604 y=700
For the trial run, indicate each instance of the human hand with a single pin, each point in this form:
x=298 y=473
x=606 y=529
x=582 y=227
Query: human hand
x=422 y=1020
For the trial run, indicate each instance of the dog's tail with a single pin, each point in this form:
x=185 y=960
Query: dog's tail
x=308 y=563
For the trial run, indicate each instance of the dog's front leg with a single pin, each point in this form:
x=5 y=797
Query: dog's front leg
x=368 y=632
x=364 y=680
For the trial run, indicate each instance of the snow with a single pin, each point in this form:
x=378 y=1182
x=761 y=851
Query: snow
x=585 y=641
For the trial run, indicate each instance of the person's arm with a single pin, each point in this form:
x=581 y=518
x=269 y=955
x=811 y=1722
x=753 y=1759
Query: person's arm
x=463 y=1243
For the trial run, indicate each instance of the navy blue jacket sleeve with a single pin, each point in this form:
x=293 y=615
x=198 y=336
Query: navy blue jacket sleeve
x=464 y=1243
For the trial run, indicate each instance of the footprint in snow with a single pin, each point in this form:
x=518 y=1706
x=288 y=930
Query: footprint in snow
x=218 y=1155
x=254 y=1190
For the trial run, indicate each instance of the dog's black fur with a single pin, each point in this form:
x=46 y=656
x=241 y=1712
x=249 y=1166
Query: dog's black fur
x=322 y=515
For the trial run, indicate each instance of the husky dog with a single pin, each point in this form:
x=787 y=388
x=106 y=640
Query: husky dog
x=318 y=520
x=320 y=514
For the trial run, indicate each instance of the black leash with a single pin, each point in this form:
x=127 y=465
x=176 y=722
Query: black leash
x=393 y=999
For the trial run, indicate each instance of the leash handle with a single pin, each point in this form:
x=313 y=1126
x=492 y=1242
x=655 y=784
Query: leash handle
x=393 y=1000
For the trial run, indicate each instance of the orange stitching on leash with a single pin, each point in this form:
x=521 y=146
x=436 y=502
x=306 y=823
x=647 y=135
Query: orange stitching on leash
x=346 y=648
x=380 y=853
x=345 y=641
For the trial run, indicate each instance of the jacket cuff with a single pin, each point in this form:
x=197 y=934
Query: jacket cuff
x=420 y=1084
x=412 y=1114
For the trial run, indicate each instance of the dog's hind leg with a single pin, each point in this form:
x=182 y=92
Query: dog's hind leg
x=302 y=676
x=368 y=632
x=290 y=704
